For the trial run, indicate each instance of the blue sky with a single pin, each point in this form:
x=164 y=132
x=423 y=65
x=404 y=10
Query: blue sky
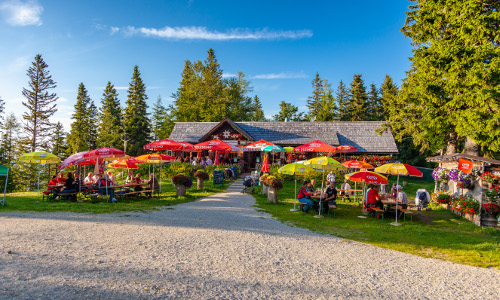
x=280 y=45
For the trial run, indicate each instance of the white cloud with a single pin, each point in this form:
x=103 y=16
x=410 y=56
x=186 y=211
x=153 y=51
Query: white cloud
x=202 y=33
x=114 y=29
x=227 y=75
x=18 y=13
x=282 y=75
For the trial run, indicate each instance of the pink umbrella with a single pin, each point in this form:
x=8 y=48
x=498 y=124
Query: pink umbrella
x=103 y=153
x=72 y=160
x=166 y=144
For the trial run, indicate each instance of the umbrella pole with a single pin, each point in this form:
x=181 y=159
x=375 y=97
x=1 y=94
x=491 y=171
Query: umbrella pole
x=5 y=187
x=295 y=190
x=397 y=198
x=38 y=184
x=160 y=177
x=321 y=197
x=153 y=185
x=362 y=201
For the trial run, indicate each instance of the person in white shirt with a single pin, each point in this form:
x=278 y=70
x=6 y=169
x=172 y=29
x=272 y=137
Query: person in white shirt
x=331 y=177
x=112 y=178
x=209 y=162
x=89 y=179
x=402 y=197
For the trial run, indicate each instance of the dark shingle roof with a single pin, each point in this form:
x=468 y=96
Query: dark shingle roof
x=361 y=135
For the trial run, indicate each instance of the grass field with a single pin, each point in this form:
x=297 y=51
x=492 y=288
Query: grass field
x=437 y=233
x=27 y=201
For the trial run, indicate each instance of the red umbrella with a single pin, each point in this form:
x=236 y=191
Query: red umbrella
x=315 y=146
x=103 y=153
x=265 y=164
x=166 y=144
x=72 y=160
x=346 y=149
x=199 y=154
x=123 y=164
x=216 y=162
x=256 y=146
x=356 y=164
x=214 y=145
x=368 y=177
x=187 y=146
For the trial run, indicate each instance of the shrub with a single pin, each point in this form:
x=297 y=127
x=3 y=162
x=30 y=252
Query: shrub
x=491 y=208
x=272 y=181
x=441 y=198
x=465 y=204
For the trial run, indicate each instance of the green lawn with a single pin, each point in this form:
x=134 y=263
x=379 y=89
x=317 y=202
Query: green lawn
x=27 y=201
x=437 y=233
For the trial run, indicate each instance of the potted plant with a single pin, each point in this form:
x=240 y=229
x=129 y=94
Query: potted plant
x=181 y=182
x=441 y=176
x=488 y=179
x=201 y=176
x=492 y=209
x=262 y=179
x=273 y=184
x=442 y=198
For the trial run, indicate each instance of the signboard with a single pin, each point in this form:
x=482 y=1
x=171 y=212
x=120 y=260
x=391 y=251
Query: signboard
x=465 y=165
x=218 y=177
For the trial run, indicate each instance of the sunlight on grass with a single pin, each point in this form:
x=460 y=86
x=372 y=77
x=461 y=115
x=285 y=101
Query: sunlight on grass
x=447 y=237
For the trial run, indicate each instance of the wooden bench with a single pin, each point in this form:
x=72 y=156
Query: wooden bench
x=93 y=197
x=65 y=194
x=378 y=212
x=332 y=207
x=406 y=212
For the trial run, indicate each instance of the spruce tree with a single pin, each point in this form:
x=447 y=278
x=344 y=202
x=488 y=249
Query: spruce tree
x=357 y=101
x=10 y=136
x=288 y=111
x=389 y=91
x=258 y=113
x=374 y=106
x=2 y=109
x=78 y=138
x=93 y=125
x=213 y=105
x=157 y=118
x=186 y=100
x=58 y=142
x=341 y=98
x=239 y=104
x=314 y=102
x=40 y=103
x=327 y=103
x=135 y=118
x=110 y=130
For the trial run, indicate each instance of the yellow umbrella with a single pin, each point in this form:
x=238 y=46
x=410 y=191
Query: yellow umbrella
x=295 y=169
x=39 y=158
x=322 y=164
x=288 y=149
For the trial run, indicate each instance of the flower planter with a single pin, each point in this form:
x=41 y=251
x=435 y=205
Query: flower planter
x=264 y=189
x=474 y=218
x=272 y=195
x=199 y=183
x=180 y=190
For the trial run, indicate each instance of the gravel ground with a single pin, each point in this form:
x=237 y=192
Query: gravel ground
x=219 y=247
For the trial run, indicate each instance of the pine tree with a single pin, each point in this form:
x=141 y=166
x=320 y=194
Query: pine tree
x=357 y=101
x=213 y=105
x=341 y=98
x=389 y=91
x=10 y=129
x=40 y=102
x=451 y=90
x=135 y=118
x=186 y=100
x=78 y=138
x=58 y=143
x=327 y=103
x=167 y=124
x=288 y=111
x=157 y=118
x=258 y=113
x=239 y=104
x=110 y=130
x=93 y=125
x=375 y=109
x=314 y=101
x=2 y=109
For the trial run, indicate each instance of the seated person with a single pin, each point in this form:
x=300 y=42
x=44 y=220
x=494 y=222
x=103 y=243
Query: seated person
x=53 y=181
x=61 y=179
x=137 y=179
x=373 y=199
x=304 y=196
x=78 y=182
x=130 y=177
x=153 y=184
x=69 y=186
x=112 y=178
x=104 y=183
x=331 y=194
x=89 y=180
x=394 y=191
x=402 y=197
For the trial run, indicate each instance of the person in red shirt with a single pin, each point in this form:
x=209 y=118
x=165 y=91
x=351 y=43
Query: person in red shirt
x=304 y=196
x=61 y=179
x=373 y=199
x=53 y=181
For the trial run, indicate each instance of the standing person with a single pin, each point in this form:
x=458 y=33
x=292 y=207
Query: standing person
x=137 y=180
x=61 y=179
x=402 y=197
x=331 y=177
x=209 y=161
x=304 y=196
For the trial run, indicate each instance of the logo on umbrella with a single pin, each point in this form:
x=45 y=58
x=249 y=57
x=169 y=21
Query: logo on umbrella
x=372 y=177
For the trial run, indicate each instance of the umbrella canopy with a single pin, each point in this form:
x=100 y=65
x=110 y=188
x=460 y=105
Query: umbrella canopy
x=215 y=145
x=323 y=163
x=273 y=148
x=296 y=169
x=256 y=146
x=72 y=160
x=123 y=164
x=288 y=149
x=356 y=164
x=399 y=169
x=346 y=149
x=265 y=164
x=315 y=146
x=104 y=153
x=187 y=146
x=39 y=158
x=166 y=144
x=216 y=162
x=368 y=177
x=154 y=158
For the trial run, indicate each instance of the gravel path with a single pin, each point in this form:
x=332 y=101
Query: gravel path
x=219 y=247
